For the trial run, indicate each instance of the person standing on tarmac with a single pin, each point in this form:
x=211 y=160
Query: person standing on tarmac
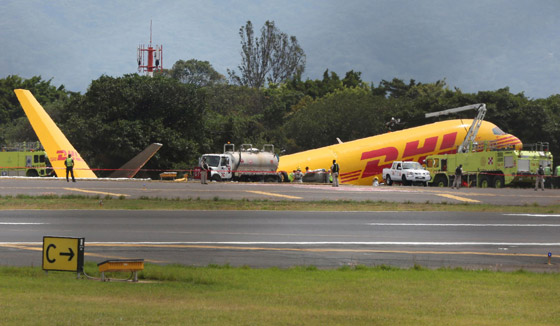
x=204 y=172
x=540 y=178
x=69 y=163
x=548 y=176
x=458 y=177
x=298 y=176
x=335 y=169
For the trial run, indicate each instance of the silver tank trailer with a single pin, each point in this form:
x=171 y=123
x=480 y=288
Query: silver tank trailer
x=252 y=161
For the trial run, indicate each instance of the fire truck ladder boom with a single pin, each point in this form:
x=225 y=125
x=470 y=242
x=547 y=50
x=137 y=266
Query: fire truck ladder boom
x=473 y=130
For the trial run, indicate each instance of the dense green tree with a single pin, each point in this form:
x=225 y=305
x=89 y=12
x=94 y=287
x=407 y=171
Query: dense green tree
x=14 y=125
x=118 y=117
x=200 y=73
x=352 y=79
x=349 y=114
x=273 y=57
x=321 y=87
x=394 y=89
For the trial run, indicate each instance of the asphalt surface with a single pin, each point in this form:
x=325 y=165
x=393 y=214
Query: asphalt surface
x=276 y=191
x=284 y=239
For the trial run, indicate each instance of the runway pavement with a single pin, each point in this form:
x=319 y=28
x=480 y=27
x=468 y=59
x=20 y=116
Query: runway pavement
x=285 y=239
x=276 y=191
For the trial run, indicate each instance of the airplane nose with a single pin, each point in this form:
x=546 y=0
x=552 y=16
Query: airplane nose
x=509 y=140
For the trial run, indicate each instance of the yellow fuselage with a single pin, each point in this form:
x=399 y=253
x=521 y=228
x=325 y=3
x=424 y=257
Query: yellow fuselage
x=363 y=160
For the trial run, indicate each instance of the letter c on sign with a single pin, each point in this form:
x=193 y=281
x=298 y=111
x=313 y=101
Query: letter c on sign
x=49 y=248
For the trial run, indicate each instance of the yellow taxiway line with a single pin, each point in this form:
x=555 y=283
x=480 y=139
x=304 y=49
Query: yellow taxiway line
x=242 y=248
x=273 y=194
x=459 y=198
x=96 y=192
x=27 y=247
x=230 y=247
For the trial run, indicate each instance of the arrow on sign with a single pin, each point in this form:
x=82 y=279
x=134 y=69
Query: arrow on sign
x=69 y=254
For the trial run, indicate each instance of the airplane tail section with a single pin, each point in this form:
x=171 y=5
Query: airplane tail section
x=53 y=140
x=130 y=168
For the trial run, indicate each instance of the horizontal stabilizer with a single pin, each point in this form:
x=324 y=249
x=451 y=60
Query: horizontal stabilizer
x=130 y=168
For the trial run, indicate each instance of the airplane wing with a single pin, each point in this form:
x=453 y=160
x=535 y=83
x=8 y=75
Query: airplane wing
x=130 y=168
x=53 y=140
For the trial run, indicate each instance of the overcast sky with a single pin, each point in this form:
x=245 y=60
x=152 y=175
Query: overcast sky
x=475 y=45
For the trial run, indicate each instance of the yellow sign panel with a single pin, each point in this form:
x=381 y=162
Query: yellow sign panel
x=63 y=254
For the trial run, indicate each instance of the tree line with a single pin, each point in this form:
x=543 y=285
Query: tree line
x=119 y=116
x=192 y=109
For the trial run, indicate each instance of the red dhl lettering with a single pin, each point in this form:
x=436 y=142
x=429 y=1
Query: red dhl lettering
x=373 y=167
x=63 y=155
x=350 y=176
x=448 y=141
x=412 y=149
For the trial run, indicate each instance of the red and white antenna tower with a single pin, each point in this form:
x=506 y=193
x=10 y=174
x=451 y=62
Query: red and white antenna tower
x=150 y=58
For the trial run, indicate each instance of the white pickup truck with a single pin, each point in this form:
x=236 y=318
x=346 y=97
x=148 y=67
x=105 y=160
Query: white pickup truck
x=407 y=172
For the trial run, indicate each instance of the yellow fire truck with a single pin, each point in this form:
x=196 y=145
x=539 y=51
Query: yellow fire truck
x=24 y=159
x=485 y=166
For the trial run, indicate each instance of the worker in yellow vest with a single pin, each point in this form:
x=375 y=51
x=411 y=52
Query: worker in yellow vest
x=69 y=167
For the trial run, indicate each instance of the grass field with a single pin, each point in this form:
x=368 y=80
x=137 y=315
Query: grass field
x=109 y=202
x=220 y=295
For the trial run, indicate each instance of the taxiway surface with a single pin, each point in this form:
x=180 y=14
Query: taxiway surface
x=275 y=191
x=284 y=239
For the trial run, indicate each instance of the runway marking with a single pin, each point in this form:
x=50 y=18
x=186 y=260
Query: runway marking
x=21 y=223
x=463 y=224
x=26 y=246
x=459 y=198
x=231 y=247
x=96 y=192
x=534 y=215
x=300 y=243
x=272 y=194
x=236 y=246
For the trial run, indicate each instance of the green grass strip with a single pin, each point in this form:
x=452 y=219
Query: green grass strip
x=222 y=295
x=150 y=203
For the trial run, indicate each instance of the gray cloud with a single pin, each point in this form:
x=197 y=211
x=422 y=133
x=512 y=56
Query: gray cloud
x=476 y=45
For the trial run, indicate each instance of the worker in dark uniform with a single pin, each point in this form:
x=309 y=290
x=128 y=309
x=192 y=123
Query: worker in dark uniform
x=539 y=183
x=335 y=169
x=458 y=177
x=204 y=172
x=69 y=163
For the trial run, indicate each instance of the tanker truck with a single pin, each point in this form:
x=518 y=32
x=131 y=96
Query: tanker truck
x=246 y=164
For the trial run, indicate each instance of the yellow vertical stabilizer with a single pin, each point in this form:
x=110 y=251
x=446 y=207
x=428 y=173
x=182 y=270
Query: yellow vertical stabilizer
x=53 y=140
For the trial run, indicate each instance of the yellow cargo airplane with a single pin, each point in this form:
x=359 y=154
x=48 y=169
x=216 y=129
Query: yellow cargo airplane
x=58 y=147
x=362 y=161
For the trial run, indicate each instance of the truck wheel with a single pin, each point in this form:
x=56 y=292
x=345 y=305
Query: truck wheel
x=499 y=181
x=216 y=177
x=483 y=181
x=271 y=178
x=440 y=181
x=32 y=173
x=388 y=180
x=405 y=182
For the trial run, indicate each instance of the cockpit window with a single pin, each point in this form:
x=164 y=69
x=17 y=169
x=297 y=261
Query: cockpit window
x=498 y=132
